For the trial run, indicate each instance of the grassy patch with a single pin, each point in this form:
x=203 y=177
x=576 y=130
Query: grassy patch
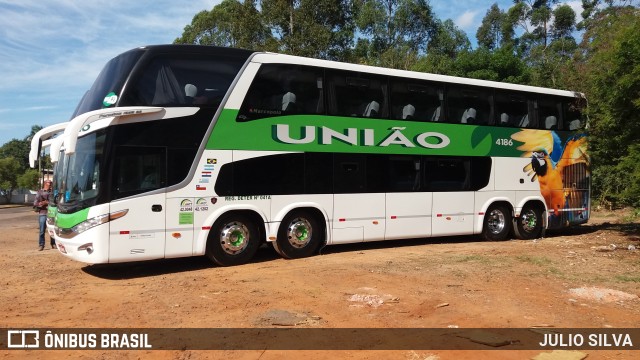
x=535 y=260
x=473 y=258
x=627 y=278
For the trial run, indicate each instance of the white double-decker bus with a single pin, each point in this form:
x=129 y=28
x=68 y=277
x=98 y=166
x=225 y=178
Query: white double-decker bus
x=192 y=150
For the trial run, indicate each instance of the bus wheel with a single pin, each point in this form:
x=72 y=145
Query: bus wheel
x=497 y=223
x=299 y=235
x=233 y=240
x=529 y=225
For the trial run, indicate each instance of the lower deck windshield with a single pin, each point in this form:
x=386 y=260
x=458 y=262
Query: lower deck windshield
x=80 y=186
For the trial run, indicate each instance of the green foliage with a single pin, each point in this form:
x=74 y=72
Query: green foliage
x=9 y=170
x=613 y=84
x=29 y=179
x=395 y=32
x=231 y=24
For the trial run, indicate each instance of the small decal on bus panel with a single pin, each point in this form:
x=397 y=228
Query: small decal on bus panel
x=110 y=99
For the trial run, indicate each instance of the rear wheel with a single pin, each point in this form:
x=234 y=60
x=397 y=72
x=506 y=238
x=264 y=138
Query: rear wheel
x=233 y=240
x=497 y=223
x=300 y=235
x=529 y=225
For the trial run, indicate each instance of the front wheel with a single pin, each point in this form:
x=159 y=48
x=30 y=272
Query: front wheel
x=529 y=225
x=497 y=223
x=300 y=235
x=233 y=240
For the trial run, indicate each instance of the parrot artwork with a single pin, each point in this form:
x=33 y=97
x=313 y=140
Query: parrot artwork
x=560 y=168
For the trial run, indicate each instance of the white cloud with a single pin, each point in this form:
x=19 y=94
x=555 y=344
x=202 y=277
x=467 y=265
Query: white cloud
x=466 y=20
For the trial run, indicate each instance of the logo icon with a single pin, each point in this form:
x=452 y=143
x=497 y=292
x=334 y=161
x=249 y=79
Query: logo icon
x=23 y=339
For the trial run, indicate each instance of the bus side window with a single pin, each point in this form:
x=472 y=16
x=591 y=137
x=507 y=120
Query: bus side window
x=357 y=94
x=549 y=110
x=415 y=100
x=447 y=174
x=512 y=110
x=573 y=118
x=281 y=90
x=138 y=169
x=468 y=105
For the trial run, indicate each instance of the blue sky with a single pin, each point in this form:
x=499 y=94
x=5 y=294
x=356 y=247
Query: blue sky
x=51 y=51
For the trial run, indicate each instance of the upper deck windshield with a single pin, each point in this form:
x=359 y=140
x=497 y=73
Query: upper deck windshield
x=110 y=80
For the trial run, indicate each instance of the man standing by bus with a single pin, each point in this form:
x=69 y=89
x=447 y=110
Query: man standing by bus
x=40 y=204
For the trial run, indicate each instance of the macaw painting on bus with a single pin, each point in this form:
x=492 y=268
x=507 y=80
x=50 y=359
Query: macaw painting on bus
x=562 y=170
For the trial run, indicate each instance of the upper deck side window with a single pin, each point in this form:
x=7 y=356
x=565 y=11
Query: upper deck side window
x=280 y=89
x=469 y=105
x=183 y=80
x=356 y=94
x=573 y=118
x=416 y=100
x=513 y=110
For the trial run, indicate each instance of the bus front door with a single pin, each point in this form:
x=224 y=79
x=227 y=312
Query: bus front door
x=140 y=234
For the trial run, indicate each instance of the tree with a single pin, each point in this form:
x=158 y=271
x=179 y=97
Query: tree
x=231 y=24
x=612 y=81
x=30 y=179
x=496 y=29
x=396 y=32
x=19 y=149
x=9 y=170
x=321 y=28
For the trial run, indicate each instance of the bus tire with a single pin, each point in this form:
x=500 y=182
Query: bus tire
x=233 y=240
x=300 y=234
x=529 y=224
x=497 y=223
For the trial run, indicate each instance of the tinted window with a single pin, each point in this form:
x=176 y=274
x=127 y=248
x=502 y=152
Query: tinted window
x=404 y=174
x=350 y=173
x=447 y=174
x=512 y=110
x=318 y=172
x=111 y=79
x=184 y=81
x=283 y=90
x=549 y=113
x=357 y=94
x=469 y=105
x=283 y=174
x=573 y=119
x=138 y=169
x=414 y=100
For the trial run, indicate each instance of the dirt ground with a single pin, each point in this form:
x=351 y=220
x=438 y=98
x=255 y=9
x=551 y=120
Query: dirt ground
x=587 y=277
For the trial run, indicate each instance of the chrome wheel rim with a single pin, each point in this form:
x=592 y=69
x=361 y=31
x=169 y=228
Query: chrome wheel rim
x=299 y=233
x=496 y=221
x=234 y=238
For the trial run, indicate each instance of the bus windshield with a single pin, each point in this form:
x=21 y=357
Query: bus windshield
x=81 y=185
x=59 y=170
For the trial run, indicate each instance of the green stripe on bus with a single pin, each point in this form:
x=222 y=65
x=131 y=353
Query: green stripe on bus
x=318 y=133
x=67 y=221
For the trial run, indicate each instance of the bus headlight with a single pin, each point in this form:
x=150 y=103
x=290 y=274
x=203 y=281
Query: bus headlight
x=89 y=223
